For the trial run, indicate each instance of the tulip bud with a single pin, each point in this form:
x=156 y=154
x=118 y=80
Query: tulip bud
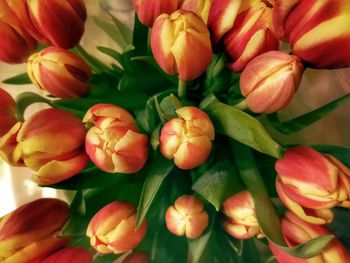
x=199 y=7
x=137 y=257
x=148 y=10
x=250 y=36
x=310 y=183
x=51 y=142
x=60 y=72
x=9 y=146
x=16 y=44
x=114 y=143
x=178 y=40
x=112 y=229
x=187 y=217
x=318 y=32
x=61 y=21
x=8 y=112
x=69 y=254
x=296 y=231
x=187 y=139
x=270 y=80
x=241 y=221
x=30 y=232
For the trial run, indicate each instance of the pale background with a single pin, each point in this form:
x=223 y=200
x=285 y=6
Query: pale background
x=318 y=87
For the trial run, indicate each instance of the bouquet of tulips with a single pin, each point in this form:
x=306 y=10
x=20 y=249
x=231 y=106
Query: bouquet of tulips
x=167 y=149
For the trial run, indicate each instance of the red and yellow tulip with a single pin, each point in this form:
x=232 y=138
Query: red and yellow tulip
x=69 y=254
x=8 y=112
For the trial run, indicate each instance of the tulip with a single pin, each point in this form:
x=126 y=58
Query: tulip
x=241 y=221
x=187 y=217
x=250 y=36
x=8 y=112
x=137 y=257
x=9 y=146
x=270 y=80
x=178 y=40
x=112 y=229
x=148 y=10
x=61 y=21
x=199 y=7
x=60 y=72
x=69 y=254
x=187 y=139
x=51 y=142
x=114 y=143
x=16 y=44
x=310 y=183
x=296 y=231
x=318 y=31
x=30 y=232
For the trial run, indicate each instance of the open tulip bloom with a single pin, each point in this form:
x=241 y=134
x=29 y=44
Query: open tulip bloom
x=171 y=145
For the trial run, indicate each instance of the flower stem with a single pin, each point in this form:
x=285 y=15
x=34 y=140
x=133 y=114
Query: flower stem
x=181 y=89
x=242 y=105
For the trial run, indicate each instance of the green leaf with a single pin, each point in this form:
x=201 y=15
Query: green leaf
x=112 y=53
x=20 y=79
x=158 y=171
x=95 y=64
x=240 y=126
x=78 y=203
x=299 y=123
x=218 y=183
x=100 y=258
x=140 y=37
x=25 y=99
x=266 y=214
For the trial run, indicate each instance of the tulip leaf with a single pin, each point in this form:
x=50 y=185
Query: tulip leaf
x=266 y=214
x=140 y=37
x=240 y=126
x=218 y=183
x=339 y=152
x=158 y=171
x=25 y=99
x=100 y=258
x=94 y=63
x=303 y=121
x=20 y=79
x=112 y=53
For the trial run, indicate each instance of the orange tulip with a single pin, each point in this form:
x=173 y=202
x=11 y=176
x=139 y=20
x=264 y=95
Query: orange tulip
x=61 y=21
x=69 y=254
x=187 y=139
x=114 y=143
x=187 y=217
x=30 y=232
x=240 y=221
x=318 y=31
x=51 y=142
x=199 y=7
x=178 y=40
x=310 y=183
x=8 y=112
x=60 y=72
x=112 y=229
x=270 y=80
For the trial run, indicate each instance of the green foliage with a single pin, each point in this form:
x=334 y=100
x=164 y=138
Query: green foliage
x=20 y=79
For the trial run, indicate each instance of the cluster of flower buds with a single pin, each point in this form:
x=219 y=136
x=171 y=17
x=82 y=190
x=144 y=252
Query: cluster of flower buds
x=296 y=231
x=240 y=219
x=187 y=139
x=310 y=183
x=113 y=143
x=187 y=217
x=112 y=229
x=30 y=232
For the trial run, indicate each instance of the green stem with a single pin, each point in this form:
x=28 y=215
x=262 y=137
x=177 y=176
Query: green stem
x=241 y=105
x=181 y=89
x=94 y=63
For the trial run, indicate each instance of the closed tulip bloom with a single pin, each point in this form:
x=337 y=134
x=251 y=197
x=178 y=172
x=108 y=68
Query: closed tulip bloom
x=69 y=254
x=318 y=31
x=8 y=112
x=61 y=21
x=112 y=229
x=178 y=40
x=187 y=139
x=250 y=36
x=296 y=231
x=16 y=44
x=137 y=257
x=148 y=10
x=51 y=143
x=187 y=217
x=60 y=72
x=9 y=146
x=199 y=7
x=31 y=231
x=240 y=221
x=310 y=183
x=113 y=143
x=270 y=80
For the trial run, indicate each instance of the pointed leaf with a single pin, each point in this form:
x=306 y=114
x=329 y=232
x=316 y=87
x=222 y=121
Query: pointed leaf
x=20 y=79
